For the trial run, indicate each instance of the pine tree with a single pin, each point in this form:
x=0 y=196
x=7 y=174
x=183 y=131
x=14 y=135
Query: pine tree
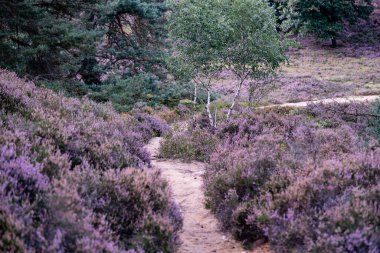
x=135 y=36
x=325 y=18
x=55 y=39
x=46 y=38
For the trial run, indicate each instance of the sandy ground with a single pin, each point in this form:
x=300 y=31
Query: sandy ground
x=200 y=232
x=344 y=100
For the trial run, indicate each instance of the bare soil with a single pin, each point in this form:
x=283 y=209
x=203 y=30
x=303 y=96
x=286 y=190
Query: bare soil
x=342 y=100
x=201 y=233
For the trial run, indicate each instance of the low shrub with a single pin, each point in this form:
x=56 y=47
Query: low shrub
x=188 y=145
x=151 y=126
x=303 y=185
x=66 y=177
x=137 y=206
x=143 y=90
x=69 y=87
x=374 y=123
x=332 y=209
x=129 y=93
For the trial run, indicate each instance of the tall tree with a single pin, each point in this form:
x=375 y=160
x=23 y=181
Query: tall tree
x=46 y=38
x=135 y=36
x=87 y=38
x=325 y=18
x=235 y=35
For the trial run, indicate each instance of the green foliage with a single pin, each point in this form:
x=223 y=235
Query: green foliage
x=200 y=30
x=236 y=35
x=86 y=38
x=135 y=36
x=49 y=39
x=129 y=93
x=286 y=23
x=192 y=145
x=142 y=90
x=374 y=123
x=64 y=45
x=68 y=87
x=255 y=48
x=278 y=6
x=325 y=19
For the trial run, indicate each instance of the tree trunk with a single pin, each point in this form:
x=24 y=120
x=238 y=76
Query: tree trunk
x=237 y=95
x=208 y=109
x=195 y=103
x=334 y=43
x=216 y=117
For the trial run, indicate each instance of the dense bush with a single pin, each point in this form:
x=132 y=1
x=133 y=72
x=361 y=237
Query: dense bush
x=131 y=92
x=374 y=124
x=188 y=145
x=65 y=179
x=137 y=207
x=141 y=90
x=307 y=181
x=334 y=208
x=327 y=19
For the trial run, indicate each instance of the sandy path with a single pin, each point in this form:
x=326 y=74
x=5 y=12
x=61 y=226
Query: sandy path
x=200 y=232
x=343 y=100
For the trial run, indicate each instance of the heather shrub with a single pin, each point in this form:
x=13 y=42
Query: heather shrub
x=66 y=182
x=334 y=208
x=231 y=192
x=167 y=114
x=151 y=126
x=137 y=206
x=188 y=145
x=10 y=239
x=46 y=215
x=287 y=176
x=83 y=128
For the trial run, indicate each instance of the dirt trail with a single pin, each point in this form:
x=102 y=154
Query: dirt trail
x=343 y=100
x=200 y=232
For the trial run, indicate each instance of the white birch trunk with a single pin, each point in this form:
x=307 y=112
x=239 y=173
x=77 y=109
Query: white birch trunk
x=195 y=102
x=237 y=95
x=208 y=109
x=215 y=118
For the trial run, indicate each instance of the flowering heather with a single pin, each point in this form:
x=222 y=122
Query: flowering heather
x=307 y=180
x=66 y=182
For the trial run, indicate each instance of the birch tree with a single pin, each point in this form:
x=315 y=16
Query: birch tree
x=254 y=49
x=198 y=30
x=235 y=35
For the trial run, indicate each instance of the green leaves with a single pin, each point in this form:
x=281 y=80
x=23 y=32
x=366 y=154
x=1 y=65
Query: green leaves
x=325 y=19
x=53 y=39
x=136 y=36
x=227 y=34
x=45 y=38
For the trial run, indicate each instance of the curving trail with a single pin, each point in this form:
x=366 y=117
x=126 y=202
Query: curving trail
x=342 y=100
x=200 y=231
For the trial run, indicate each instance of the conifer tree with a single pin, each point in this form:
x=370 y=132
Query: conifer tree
x=135 y=36
x=325 y=18
x=55 y=39
x=46 y=38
